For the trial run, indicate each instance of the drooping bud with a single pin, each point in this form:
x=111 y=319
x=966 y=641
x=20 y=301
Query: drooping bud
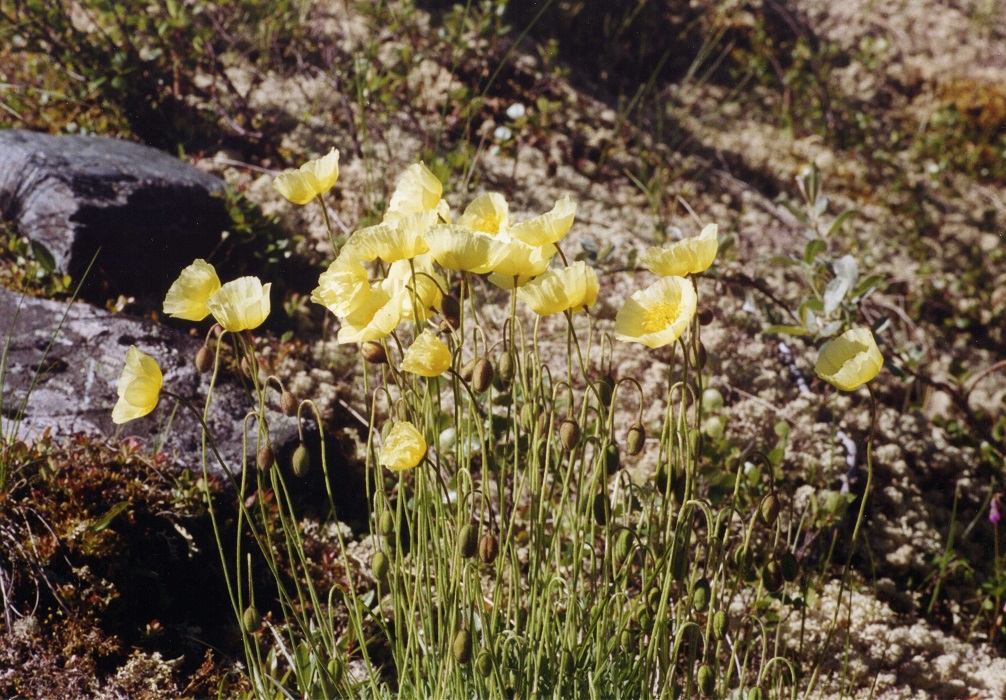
x=289 y=403
x=700 y=595
x=623 y=545
x=482 y=375
x=462 y=647
x=451 y=308
x=605 y=389
x=301 y=461
x=566 y=663
x=636 y=439
x=204 y=359
x=600 y=509
x=712 y=400
x=611 y=459
x=771 y=576
x=251 y=619
x=265 y=459
x=569 y=434
x=527 y=417
x=790 y=566
x=505 y=367
x=467 y=370
x=721 y=624
x=705 y=315
x=374 y=353
x=627 y=640
x=380 y=565
x=489 y=547
x=702 y=357
x=706 y=680
x=484 y=663
x=769 y=509
x=386 y=523
x=756 y=693
x=468 y=540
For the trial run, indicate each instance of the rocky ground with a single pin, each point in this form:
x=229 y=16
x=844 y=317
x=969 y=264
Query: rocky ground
x=902 y=109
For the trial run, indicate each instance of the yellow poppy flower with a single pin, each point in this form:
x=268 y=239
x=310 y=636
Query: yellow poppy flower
x=850 y=360
x=188 y=294
x=391 y=241
x=658 y=315
x=241 y=305
x=422 y=294
x=418 y=190
x=519 y=261
x=458 y=248
x=404 y=448
x=343 y=287
x=308 y=181
x=139 y=387
x=685 y=257
x=487 y=213
x=375 y=318
x=428 y=356
x=550 y=227
x=574 y=287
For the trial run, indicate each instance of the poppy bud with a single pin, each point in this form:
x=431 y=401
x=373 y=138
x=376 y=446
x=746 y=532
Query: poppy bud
x=379 y=566
x=527 y=417
x=627 y=640
x=288 y=403
x=611 y=459
x=468 y=540
x=482 y=375
x=700 y=595
x=600 y=509
x=605 y=389
x=636 y=439
x=769 y=509
x=771 y=576
x=702 y=356
x=484 y=663
x=204 y=359
x=566 y=663
x=623 y=545
x=790 y=566
x=721 y=623
x=706 y=680
x=374 y=353
x=462 y=647
x=705 y=315
x=489 y=547
x=251 y=619
x=569 y=434
x=265 y=459
x=386 y=523
x=451 y=308
x=742 y=558
x=467 y=370
x=755 y=694
x=505 y=367
x=301 y=461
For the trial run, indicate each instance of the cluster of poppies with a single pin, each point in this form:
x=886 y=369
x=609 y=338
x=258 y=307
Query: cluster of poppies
x=417 y=243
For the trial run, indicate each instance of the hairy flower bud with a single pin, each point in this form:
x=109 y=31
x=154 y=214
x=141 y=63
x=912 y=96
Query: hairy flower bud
x=374 y=353
x=468 y=540
x=301 y=461
x=623 y=545
x=721 y=624
x=611 y=459
x=790 y=566
x=569 y=434
x=600 y=509
x=251 y=619
x=451 y=308
x=386 y=523
x=461 y=648
x=700 y=595
x=769 y=509
x=288 y=403
x=771 y=576
x=705 y=315
x=505 y=367
x=467 y=370
x=482 y=375
x=489 y=547
x=484 y=663
x=204 y=359
x=265 y=459
x=380 y=565
x=706 y=680
x=636 y=439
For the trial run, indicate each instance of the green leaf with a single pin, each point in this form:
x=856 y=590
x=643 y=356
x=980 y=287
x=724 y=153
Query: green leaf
x=813 y=248
x=42 y=256
x=788 y=330
x=840 y=221
x=867 y=285
x=784 y=261
x=102 y=523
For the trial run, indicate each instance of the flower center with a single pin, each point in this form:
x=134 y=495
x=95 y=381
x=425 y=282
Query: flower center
x=660 y=316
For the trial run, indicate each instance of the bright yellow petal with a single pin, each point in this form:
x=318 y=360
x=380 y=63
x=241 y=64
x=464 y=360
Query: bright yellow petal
x=428 y=356
x=310 y=180
x=487 y=213
x=422 y=293
x=418 y=190
x=139 y=387
x=241 y=305
x=518 y=259
x=574 y=287
x=374 y=319
x=188 y=294
x=404 y=448
x=458 y=248
x=658 y=315
x=549 y=227
x=685 y=257
x=343 y=287
x=850 y=360
x=392 y=240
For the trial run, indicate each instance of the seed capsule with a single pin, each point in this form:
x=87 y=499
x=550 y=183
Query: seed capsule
x=482 y=375
x=706 y=680
x=489 y=547
x=484 y=663
x=468 y=540
x=379 y=565
x=700 y=595
x=636 y=439
x=301 y=461
x=251 y=619
x=505 y=367
x=451 y=308
x=265 y=459
x=288 y=403
x=462 y=647
x=374 y=353
x=769 y=509
x=721 y=623
x=569 y=434
x=204 y=359
x=386 y=524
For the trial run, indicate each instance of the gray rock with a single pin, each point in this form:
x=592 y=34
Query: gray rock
x=76 y=388
x=139 y=209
